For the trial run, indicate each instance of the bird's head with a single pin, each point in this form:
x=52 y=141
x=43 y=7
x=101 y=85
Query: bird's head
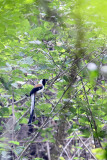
x=44 y=81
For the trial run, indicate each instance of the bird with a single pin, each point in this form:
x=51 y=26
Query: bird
x=38 y=88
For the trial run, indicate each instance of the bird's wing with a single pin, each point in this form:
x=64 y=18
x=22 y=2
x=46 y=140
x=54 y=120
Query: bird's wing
x=37 y=88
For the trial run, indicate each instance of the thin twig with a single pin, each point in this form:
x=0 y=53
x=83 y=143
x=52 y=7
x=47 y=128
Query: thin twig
x=23 y=98
x=85 y=146
x=79 y=149
x=66 y=146
x=22 y=116
x=13 y=117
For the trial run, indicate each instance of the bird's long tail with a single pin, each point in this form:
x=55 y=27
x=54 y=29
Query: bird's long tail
x=32 y=108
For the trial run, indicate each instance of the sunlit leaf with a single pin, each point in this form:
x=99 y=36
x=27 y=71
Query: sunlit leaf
x=14 y=142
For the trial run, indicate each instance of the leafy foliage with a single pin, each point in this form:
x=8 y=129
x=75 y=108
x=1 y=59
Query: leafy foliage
x=55 y=40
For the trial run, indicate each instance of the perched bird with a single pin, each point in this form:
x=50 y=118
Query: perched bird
x=37 y=89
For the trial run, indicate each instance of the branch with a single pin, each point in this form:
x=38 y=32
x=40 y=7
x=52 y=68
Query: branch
x=95 y=126
x=66 y=145
x=48 y=151
x=85 y=146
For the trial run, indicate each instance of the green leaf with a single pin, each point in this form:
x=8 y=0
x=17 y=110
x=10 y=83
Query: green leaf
x=24 y=120
x=62 y=158
x=14 y=142
x=75 y=157
x=101 y=154
x=4 y=111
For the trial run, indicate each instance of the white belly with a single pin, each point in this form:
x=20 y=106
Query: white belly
x=41 y=90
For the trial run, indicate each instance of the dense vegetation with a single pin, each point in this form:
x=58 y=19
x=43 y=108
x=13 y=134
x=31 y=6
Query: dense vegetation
x=64 y=41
